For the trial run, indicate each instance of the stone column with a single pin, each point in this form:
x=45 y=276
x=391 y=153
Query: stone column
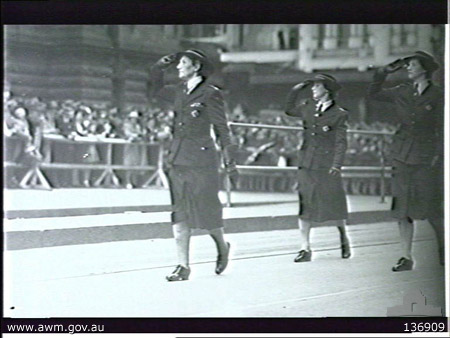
x=356 y=36
x=308 y=43
x=330 y=40
x=424 y=37
x=380 y=41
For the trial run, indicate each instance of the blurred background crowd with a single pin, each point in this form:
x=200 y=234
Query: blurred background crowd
x=69 y=118
x=30 y=120
x=33 y=118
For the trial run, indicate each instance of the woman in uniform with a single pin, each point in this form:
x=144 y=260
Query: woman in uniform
x=321 y=195
x=193 y=159
x=417 y=149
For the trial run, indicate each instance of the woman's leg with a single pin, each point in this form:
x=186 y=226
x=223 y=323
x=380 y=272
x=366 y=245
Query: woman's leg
x=128 y=183
x=182 y=234
x=223 y=249
x=345 y=242
x=75 y=178
x=437 y=223
x=305 y=234
x=87 y=178
x=218 y=237
x=406 y=229
x=304 y=254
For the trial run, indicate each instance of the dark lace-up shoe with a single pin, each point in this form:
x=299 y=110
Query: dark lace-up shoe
x=303 y=256
x=222 y=260
x=403 y=264
x=345 y=251
x=180 y=273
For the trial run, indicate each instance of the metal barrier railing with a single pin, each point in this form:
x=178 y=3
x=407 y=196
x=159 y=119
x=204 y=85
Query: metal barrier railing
x=274 y=126
x=35 y=178
x=383 y=170
x=34 y=175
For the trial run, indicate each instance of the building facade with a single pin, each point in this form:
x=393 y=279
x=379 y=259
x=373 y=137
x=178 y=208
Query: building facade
x=256 y=63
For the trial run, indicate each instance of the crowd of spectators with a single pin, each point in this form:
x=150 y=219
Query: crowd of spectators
x=27 y=120
x=31 y=118
x=71 y=118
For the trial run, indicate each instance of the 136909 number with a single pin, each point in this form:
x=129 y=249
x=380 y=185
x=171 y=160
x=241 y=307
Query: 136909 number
x=424 y=327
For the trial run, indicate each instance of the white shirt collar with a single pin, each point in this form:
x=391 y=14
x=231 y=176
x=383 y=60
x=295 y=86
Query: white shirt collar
x=192 y=83
x=324 y=105
x=421 y=86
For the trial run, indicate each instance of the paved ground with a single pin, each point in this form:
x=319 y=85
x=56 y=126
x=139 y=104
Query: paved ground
x=117 y=275
x=126 y=279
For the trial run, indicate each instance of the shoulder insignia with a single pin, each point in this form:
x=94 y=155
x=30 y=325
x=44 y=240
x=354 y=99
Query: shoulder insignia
x=214 y=87
x=343 y=111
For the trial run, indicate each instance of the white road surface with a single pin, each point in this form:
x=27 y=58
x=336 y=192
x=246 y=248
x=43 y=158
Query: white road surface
x=126 y=279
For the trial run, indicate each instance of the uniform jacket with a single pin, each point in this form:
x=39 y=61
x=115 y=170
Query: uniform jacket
x=420 y=136
x=195 y=113
x=325 y=133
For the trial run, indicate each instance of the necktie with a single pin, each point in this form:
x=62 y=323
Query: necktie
x=416 y=89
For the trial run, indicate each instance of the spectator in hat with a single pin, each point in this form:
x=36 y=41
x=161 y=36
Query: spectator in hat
x=36 y=122
x=85 y=125
x=417 y=149
x=193 y=159
x=50 y=118
x=17 y=125
x=65 y=122
x=27 y=128
x=132 y=152
x=116 y=121
x=321 y=194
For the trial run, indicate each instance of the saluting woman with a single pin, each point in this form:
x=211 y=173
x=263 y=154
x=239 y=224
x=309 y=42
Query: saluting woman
x=193 y=159
x=321 y=195
x=417 y=149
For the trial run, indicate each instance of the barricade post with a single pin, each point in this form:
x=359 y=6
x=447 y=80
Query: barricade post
x=159 y=176
x=108 y=174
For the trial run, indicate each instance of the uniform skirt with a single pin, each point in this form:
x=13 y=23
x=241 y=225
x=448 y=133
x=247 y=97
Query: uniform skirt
x=417 y=191
x=194 y=193
x=321 y=196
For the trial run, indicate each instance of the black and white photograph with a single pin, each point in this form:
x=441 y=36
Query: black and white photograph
x=224 y=170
